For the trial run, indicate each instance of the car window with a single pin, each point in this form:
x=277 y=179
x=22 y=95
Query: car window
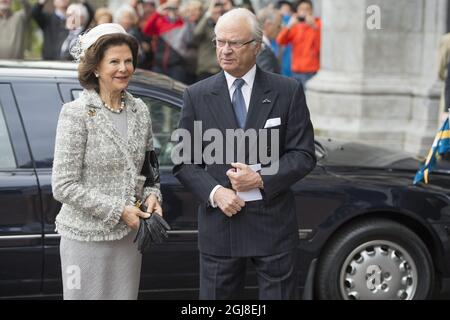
x=7 y=160
x=165 y=117
x=76 y=93
x=40 y=104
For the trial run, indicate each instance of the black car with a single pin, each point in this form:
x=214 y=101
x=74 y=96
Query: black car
x=366 y=231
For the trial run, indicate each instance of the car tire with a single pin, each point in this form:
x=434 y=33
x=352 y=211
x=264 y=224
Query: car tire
x=375 y=259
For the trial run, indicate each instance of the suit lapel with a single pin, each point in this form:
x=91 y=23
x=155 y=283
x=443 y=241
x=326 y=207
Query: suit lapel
x=261 y=102
x=220 y=104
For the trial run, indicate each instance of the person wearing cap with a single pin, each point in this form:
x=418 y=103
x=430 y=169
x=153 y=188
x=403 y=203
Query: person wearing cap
x=101 y=141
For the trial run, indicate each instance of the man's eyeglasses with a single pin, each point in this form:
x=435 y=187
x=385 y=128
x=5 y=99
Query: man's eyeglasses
x=232 y=44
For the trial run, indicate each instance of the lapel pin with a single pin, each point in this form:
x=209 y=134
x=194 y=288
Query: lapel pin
x=266 y=101
x=92 y=113
x=134 y=110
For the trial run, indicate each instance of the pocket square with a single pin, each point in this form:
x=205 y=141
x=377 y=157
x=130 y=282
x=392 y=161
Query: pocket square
x=266 y=101
x=272 y=123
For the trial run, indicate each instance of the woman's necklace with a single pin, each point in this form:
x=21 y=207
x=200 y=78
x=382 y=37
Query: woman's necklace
x=122 y=105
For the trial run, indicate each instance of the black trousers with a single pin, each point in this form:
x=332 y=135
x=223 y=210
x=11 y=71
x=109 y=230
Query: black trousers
x=223 y=278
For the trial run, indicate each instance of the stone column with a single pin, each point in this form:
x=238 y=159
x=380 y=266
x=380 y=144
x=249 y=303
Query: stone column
x=379 y=85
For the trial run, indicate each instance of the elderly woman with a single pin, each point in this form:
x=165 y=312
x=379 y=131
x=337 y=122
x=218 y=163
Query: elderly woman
x=101 y=141
x=78 y=17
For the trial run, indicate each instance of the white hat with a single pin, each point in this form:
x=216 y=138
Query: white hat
x=86 y=40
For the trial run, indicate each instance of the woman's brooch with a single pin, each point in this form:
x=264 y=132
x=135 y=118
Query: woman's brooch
x=92 y=112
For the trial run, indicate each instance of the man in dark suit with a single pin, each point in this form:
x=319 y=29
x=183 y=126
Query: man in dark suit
x=53 y=27
x=231 y=231
x=270 y=20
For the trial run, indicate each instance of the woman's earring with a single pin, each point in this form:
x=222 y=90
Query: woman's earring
x=96 y=75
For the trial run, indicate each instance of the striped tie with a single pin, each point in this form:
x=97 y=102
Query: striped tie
x=239 y=103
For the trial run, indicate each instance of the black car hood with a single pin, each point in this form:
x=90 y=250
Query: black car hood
x=332 y=152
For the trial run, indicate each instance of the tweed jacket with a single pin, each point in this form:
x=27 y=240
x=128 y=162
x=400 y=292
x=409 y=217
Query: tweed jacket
x=95 y=170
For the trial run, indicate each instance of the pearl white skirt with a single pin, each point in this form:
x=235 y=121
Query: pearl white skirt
x=100 y=270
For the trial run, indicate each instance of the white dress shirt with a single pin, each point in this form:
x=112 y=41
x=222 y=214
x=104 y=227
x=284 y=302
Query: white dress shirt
x=246 y=90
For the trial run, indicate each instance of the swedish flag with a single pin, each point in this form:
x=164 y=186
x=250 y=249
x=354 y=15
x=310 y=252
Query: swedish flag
x=440 y=146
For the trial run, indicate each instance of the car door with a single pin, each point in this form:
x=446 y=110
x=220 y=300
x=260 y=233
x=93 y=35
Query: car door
x=40 y=102
x=21 y=245
x=172 y=266
x=169 y=270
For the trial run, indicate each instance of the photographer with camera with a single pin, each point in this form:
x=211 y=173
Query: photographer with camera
x=303 y=32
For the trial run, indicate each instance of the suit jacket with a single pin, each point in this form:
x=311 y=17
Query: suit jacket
x=54 y=30
x=267 y=60
x=264 y=227
x=95 y=170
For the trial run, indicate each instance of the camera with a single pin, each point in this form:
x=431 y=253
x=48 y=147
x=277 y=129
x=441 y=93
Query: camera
x=301 y=19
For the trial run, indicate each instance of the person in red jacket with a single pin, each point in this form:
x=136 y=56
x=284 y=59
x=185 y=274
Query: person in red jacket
x=303 y=32
x=164 y=26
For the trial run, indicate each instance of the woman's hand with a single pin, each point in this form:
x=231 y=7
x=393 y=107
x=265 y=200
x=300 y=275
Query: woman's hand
x=130 y=216
x=153 y=205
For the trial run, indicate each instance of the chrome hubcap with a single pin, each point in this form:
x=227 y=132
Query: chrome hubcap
x=378 y=270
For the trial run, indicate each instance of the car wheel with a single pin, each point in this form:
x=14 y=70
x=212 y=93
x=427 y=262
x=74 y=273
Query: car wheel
x=375 y=259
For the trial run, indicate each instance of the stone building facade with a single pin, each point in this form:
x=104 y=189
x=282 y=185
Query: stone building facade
x=378 y=83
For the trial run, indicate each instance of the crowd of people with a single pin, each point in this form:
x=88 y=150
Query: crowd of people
x=175 y=37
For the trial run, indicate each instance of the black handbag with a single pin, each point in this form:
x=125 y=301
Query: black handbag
x=150 y=168
x=151 y=230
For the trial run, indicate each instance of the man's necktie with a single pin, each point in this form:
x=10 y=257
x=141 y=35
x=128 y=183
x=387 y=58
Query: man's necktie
x=239 y=103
